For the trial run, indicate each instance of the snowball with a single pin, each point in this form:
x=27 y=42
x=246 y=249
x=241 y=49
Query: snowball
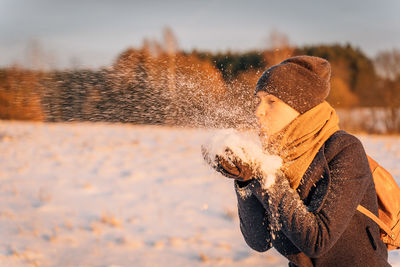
x=247 y=147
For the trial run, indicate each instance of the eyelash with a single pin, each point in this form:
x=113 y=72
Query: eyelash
x=269 y=101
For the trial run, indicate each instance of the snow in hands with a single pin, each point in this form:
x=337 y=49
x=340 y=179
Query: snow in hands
x=247 y=147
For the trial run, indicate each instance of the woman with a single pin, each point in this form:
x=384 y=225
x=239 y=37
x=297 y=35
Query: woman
x=309 y=214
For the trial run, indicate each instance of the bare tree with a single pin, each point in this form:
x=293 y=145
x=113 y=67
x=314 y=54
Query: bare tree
x=37 y=57
x=171 y=48
x=278 y=48
x=387 y=64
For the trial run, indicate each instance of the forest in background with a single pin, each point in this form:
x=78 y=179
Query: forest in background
x=158 y=83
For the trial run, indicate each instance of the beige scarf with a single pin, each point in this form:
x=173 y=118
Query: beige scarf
x=299 y=142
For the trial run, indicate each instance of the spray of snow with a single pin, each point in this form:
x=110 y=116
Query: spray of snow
x=247 y=147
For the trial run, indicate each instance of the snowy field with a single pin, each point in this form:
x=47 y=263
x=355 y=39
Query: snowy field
x=118 y=195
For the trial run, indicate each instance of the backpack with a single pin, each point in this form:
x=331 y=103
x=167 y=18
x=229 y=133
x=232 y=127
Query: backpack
x=388 y=193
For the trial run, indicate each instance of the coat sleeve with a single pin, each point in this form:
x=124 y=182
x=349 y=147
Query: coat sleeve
x=254 y=223
x=314 y=233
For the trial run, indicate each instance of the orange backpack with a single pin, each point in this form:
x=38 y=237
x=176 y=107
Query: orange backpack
x=388 y=192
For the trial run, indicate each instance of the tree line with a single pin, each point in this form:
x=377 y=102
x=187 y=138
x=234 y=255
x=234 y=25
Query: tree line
x=158 y=84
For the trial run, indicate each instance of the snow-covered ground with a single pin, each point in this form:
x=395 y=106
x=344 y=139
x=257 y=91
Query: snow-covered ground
x=84 y=194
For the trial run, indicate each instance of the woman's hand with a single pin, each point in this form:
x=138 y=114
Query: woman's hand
x=229 y=165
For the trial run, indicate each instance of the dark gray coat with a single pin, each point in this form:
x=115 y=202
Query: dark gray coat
x=318 y=225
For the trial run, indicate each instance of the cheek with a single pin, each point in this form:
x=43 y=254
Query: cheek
x=272 y=118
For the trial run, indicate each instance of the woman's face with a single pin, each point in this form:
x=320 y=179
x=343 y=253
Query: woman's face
x=272 y=113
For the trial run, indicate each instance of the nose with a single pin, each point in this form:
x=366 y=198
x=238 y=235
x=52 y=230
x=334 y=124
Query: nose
x=259 y=111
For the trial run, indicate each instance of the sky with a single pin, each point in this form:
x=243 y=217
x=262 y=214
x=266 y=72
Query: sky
x=90 y=33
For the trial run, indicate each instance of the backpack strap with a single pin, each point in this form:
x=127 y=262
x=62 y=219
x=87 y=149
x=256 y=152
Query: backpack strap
x=373 y=217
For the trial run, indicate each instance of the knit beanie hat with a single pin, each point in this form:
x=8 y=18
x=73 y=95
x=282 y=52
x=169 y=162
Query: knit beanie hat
x=302 y=82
